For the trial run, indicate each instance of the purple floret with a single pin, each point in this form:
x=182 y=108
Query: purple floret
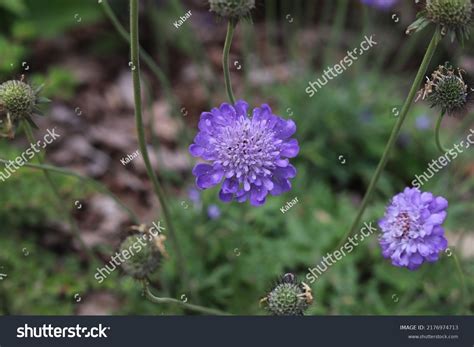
x=249 y=155
x=411 y=228
x=213 y=211
x=380 y=4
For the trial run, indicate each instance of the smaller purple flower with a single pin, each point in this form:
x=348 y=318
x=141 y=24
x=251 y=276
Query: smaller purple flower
x=248 y=154
x=213 y=211
x=412 y=231
x=423 y=122
x=195 y=196
x=380 y=4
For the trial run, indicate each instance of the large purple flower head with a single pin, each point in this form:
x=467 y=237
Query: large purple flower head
x=249 y=155
x=411 y=228
x=380 y=4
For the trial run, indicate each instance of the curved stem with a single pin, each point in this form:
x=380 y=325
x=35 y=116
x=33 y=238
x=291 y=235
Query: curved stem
x=134 y=51
x=225 y=60
x=394 y=135
x=437 y=130
x=158 y=300
x=461 y=278
x=98 y=186
x=67 y=214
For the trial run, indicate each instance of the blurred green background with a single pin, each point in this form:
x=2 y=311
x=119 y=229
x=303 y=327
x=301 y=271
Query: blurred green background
x=234 y=255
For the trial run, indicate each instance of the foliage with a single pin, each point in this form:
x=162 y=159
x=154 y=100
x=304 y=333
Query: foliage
x=234 y=260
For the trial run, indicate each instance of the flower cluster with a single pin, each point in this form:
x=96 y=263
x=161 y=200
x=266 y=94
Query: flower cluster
x=412 y=231
x=249 y=154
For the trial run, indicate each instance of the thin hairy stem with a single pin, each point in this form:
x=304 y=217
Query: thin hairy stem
x=147 y=59
x=98 y=186
x=437 y=135
x=394 y=135
x=225 y=60
x=134 y=52
x=159 y=300
x=54 y=189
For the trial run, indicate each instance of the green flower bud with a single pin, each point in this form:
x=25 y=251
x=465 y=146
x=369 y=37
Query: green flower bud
x=18 y=101
x=17 y=98
x=446 y=89
x=453 y=17
x=145 y=255
x=288 y=298
x=449 y=13
x=232 y=9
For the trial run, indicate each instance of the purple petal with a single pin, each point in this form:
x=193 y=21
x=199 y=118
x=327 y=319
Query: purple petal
x=290 y=149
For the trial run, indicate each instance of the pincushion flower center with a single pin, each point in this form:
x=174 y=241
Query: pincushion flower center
x=407 y=224
x=246 y=149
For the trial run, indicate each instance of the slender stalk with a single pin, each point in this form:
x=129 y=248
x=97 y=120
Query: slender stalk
x=98 y=186
x=394 y=135
x=67 y=214
x=437 y=137
x=134 y=50
x=148 y=60
x=461 y=278
x=225 y=60
x=158 y=300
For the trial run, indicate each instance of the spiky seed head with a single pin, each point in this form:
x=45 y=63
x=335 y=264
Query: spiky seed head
x=232 y=9
x=288 y=297
x=453 y=18
x=18 y=102
x=449 y=13
x=17 y=98
x=446 y=89
x=144 y=255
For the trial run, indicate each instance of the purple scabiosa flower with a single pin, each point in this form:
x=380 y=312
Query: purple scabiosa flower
x=213 y=212
x=249 y=155
x=411 y=228
x=380 y=4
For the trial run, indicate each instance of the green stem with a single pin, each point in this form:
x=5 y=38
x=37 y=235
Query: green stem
x=197 y=308
x=225 y=60
x=437 y=131
x=67 y=214
x=148 y=60
x=134 y=51
x=98 y=186
x=462 y=279
x=394 y=135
